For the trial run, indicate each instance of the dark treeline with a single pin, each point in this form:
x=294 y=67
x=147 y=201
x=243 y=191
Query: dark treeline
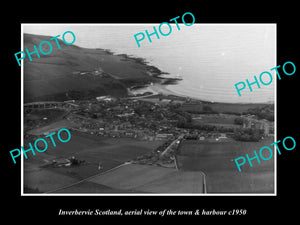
x=266 y=112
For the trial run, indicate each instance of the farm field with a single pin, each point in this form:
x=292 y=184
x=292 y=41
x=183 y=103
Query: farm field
x=153 y=179
x=234 y=107
x=45 y=180
x=109 y=152
x=216 y=160
x=135 y=178
x=215 y=118
x=53 y=127
x=225 y=120
x=87 y=187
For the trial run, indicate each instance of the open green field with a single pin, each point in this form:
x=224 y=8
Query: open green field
x=87 y=187
x=219 y=107
x=215 y=118
x=45 y=180
x=216 y=160
x=225 y=120
x=234 y=107
x=41 y=117
x=52 y=127
x=153 y=179
x=109 y=152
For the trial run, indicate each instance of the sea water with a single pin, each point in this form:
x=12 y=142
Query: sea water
x=209 y=58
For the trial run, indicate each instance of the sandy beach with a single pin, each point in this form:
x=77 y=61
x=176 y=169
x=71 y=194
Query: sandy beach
x=155 y=88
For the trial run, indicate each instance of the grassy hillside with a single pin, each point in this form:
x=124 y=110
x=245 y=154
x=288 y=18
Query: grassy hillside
x=69 y=72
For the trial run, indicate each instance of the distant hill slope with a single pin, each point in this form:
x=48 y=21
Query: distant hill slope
x=73 y=72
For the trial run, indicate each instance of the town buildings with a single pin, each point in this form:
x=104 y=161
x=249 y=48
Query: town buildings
x=249 y=121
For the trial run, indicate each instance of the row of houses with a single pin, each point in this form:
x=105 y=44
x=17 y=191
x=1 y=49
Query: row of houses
x=139 y=134
x=51 y=105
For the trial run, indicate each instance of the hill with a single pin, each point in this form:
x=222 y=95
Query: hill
x=74 y=72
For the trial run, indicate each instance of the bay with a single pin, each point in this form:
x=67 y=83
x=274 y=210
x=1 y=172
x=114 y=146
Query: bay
x=210 y=58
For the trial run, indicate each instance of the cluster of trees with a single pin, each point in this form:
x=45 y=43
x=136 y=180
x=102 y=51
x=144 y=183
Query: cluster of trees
x=183 y=117
x=143 y=108
x=239 y=121
x=248 y=134
x=205 y=109
x=206 y=127
x=76 y=162
x=266 y=112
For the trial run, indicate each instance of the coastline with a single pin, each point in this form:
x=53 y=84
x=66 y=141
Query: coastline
x=155 y=89
x=162 y=89
x=159 y=86
x=159 y=76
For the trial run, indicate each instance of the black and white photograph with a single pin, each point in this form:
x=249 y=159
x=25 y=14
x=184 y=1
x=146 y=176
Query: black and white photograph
x=183 y=112
x=155 y=116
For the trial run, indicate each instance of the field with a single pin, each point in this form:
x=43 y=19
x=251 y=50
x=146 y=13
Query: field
x=215 y=120
x=41 y=117
x=109 y=152
x=144 y=178
x=216 y=160
x=218 y=107
x=233 y=107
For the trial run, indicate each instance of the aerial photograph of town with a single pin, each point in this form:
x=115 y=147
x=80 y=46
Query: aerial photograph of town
x=162 y=118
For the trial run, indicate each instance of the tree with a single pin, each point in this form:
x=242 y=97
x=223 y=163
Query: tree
x=238 y=121
x=207 y=108
x=266 y=112
x=247 y=134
